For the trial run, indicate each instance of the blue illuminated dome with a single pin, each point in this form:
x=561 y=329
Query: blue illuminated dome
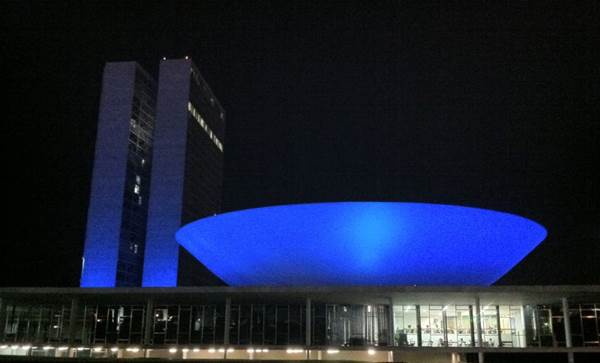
x=361 y=243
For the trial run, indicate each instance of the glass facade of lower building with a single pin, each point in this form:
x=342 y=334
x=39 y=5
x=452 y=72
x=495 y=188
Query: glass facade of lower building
x=454 y=325
x=289 y=322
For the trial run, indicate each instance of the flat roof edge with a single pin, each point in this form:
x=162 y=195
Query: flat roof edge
x=304 y=289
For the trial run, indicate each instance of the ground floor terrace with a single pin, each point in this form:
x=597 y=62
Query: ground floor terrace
x=375 y=324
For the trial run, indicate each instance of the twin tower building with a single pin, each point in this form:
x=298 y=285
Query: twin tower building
x=158 y=165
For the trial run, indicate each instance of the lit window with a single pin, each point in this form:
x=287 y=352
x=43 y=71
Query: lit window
x=196 y=115
x=136 y=189
x=138 y=179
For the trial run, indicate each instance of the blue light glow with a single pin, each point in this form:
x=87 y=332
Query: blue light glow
x=361 y=243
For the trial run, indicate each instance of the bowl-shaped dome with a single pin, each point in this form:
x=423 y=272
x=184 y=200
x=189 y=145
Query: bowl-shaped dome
x=361 y=243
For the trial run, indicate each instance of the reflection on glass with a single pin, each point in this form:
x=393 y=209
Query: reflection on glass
x=489 y=325
x=511 y=325
x=405 y=325
x=357 y=325
x=432 y=326
x=459 y=325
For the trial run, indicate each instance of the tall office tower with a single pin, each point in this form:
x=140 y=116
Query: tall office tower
x=117 y=214
x=186 y=173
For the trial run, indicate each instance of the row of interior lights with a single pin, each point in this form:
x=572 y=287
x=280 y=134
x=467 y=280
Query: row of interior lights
x=113 y=349
x=27 y=347
x=257 y=350
x=61 y=348
x=370 y=351
x=131 y=349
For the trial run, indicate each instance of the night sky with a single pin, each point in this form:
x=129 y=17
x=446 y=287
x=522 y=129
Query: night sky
x=494 y=106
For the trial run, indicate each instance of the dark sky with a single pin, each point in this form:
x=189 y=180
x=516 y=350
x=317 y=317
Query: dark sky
x=494 y=106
